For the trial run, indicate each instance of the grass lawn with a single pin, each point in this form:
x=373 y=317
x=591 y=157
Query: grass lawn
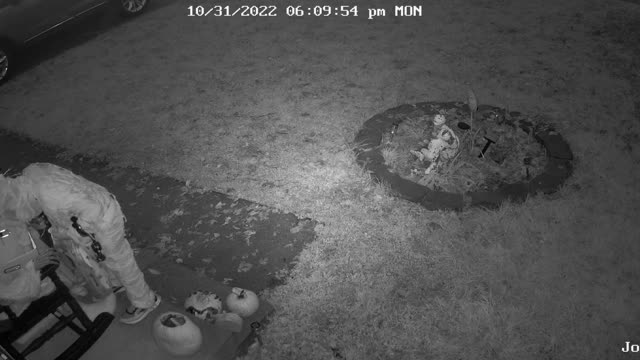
x=267 y=108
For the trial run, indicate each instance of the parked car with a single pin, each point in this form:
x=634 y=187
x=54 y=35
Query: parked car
x=24 y=21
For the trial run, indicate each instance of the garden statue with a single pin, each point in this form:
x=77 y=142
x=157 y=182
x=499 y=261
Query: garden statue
x=443 y=146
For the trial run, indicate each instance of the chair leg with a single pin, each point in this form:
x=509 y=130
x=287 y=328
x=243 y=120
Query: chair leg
x=72 y=302
x=46 y=336
x=82 y=344
x=77 y=329
x=79 y=312
x=9 y=349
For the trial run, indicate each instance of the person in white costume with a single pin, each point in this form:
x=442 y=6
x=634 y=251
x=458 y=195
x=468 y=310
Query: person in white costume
x=87 y=225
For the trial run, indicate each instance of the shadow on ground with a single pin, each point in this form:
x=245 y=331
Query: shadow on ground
x=236 y=242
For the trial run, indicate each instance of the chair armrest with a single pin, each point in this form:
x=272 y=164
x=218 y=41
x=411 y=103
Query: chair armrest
x=48 y=271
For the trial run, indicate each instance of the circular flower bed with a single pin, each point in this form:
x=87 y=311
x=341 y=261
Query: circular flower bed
x=495 y=156
x=493 y=152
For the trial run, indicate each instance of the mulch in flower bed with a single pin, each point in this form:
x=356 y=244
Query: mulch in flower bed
x=525 y=155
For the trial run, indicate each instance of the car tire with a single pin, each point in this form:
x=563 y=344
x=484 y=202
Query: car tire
x=6 y=62
x=129 y=8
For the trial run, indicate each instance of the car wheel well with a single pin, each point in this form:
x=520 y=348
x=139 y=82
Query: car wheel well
x=9 y=48
x=126 y=13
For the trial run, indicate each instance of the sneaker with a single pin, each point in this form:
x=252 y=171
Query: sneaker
x=135 y=315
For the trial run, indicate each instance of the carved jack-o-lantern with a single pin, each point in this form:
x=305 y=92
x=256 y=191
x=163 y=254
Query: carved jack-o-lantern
x=177 y=334
x=204 y=305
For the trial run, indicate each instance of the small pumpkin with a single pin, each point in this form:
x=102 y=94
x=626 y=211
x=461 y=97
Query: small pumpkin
x=242 y=302
x=177 y=334
x=229 y=321
x=204 y=305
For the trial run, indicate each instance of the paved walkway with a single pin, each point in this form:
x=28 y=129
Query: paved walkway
x=234 y=241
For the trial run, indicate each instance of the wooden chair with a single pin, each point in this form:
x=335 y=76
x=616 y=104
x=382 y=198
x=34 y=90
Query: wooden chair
x=16 y=326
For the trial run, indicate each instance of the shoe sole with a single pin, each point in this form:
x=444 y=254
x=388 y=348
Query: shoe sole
x=137 y=320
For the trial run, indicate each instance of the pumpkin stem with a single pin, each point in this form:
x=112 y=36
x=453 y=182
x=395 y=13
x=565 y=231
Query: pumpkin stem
x=174 y=321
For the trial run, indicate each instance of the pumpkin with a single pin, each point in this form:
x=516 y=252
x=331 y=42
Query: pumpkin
x=177 y=334
x=242 y=302
x=229 y=321
x=204 y=305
